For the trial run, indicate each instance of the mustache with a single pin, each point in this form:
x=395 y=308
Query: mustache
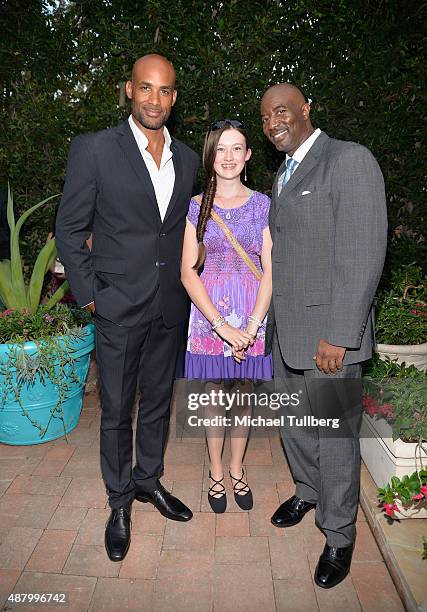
x=276 y=131
x=152 y=108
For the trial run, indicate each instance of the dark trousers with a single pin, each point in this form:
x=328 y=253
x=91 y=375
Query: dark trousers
x=146 y=353
x=325 y=464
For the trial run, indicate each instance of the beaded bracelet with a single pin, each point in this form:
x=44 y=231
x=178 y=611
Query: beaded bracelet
x=254 y=319
x=218 y=325
x=217 y=322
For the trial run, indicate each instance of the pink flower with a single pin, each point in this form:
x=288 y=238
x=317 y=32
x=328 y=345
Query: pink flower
x=417 y=496
x=389 y=508
x=387 y=410
x=424 y=491
x=7 y=312
x=369 y=404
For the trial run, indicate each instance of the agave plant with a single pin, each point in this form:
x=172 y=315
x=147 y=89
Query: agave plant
x=15 y=292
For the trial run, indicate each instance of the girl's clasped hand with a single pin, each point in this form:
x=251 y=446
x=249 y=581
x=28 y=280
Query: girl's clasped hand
x=237 y=338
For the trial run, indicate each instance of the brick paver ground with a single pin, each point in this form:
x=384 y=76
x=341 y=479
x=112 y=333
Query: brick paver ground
x=53 y=510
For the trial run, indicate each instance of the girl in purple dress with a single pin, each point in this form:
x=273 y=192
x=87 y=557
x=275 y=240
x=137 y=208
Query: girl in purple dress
x=231 y=296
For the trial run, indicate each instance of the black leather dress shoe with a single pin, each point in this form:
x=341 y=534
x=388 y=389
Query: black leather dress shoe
x=333 y=567
x=291 y=512
x=117 y=533
x=168 y=505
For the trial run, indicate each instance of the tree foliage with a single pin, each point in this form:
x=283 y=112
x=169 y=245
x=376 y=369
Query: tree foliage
x=63 y=66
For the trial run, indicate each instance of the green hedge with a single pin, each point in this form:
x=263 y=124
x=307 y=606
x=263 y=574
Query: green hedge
x=63 y=64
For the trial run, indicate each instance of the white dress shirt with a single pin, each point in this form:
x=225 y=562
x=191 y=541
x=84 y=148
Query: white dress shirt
x=299 y=154
x=163 y=178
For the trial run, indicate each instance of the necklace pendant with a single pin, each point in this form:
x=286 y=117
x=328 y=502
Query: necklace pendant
x=228 y=215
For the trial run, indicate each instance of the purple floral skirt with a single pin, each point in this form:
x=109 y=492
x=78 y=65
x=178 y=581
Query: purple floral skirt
x=208 y=357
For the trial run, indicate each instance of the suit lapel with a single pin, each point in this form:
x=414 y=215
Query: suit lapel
x=280 y=171
x=274 y=196
x=177 y=164
x=128 y=143
x=307 y=164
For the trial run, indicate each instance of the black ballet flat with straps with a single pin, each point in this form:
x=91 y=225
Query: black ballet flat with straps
x=217 y=498
x=242 y=495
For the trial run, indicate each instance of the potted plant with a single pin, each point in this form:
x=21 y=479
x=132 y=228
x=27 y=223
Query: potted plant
x=394 y=426
x=44 y=348
x=401 y=317
x=405 y=497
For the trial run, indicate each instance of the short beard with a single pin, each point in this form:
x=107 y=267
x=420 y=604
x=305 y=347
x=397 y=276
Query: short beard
x=147 y=123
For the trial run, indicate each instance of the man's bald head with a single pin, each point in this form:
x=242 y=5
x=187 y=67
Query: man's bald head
x=155 y=61
x=285 y=115
x=286 y=89
x=152 y=91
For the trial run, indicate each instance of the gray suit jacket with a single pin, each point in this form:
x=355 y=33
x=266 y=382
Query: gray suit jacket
x=328 y=252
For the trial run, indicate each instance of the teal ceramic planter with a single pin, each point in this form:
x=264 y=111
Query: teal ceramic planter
x=40 y=398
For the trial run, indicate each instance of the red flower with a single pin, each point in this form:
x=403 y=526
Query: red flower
x=390 y=508
x=417 y=496
x=424 y=491
x=370 y=405
x=420 y=313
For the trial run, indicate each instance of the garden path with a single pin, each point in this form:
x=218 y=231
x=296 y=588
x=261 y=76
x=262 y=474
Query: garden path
x=53 y=512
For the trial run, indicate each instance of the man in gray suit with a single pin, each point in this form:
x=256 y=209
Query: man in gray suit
x=328 y=221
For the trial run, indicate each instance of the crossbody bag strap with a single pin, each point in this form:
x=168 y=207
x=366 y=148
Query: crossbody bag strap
x=233 y=241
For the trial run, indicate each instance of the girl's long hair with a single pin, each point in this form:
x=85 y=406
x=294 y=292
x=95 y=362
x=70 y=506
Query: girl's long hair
x=208 y=160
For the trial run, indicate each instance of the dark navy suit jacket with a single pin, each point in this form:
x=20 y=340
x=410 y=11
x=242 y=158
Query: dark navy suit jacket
x=108 y=192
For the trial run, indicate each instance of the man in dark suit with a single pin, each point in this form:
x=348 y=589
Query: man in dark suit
x=130 y=186
x=328 y=222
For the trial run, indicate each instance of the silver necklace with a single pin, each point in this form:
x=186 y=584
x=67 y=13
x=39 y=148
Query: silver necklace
x=228 y=213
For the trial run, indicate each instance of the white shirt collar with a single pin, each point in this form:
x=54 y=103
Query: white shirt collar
x=162 y=177
x=303 y=149
x=142 y=139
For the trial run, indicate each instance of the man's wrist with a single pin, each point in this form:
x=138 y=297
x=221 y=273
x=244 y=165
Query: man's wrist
x=332 y=344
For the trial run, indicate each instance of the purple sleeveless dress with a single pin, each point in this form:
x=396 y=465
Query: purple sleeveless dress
x=232 y=288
